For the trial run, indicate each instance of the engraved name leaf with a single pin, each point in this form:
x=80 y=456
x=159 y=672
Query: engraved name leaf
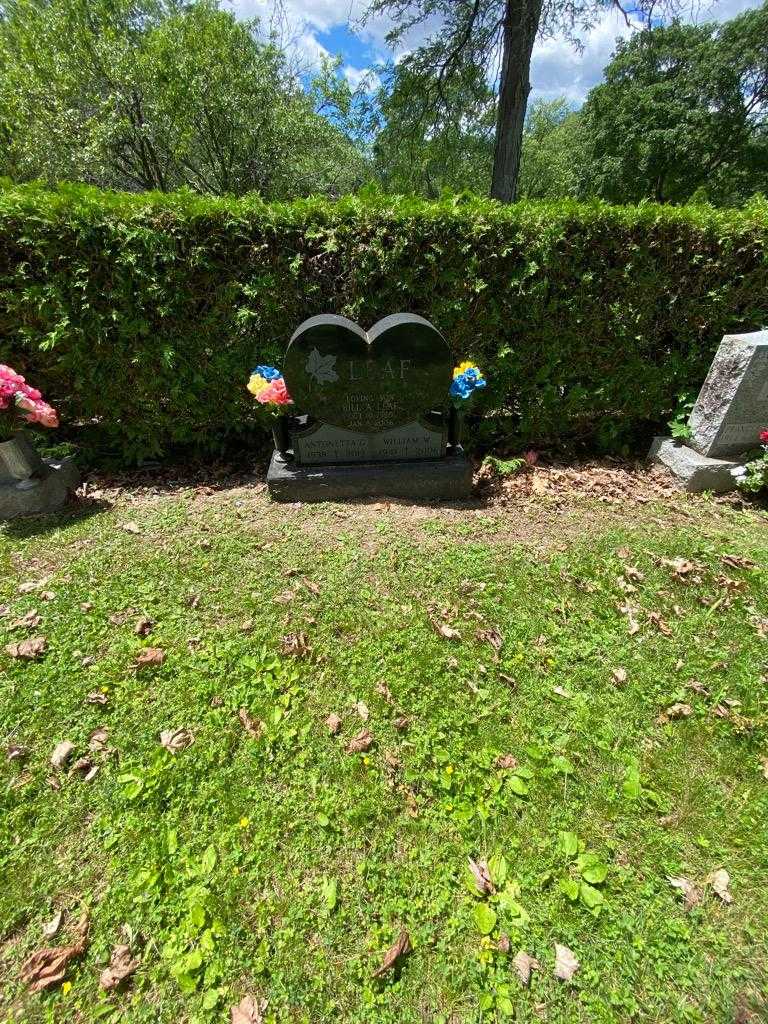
x=321 y=367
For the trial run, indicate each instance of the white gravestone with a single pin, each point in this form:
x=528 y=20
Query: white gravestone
x=732 y=407
x=729 y=414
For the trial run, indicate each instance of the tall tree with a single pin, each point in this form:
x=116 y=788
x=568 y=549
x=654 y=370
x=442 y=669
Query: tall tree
x=159 y=94
x=496 y=36
x=683 y=111
x=552 y=151
x=456 y=153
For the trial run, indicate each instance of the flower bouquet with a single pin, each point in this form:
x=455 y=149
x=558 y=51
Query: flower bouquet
x=267 y=386
x=20 y=404
x=467 y=379
x=752 y=478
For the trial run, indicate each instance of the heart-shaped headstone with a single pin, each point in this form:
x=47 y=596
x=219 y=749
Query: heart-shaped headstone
x=397 y=372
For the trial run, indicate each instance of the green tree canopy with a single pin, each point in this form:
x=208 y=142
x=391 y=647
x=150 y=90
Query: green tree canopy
x=682 y=111
x=455 y=151
x=156 y=94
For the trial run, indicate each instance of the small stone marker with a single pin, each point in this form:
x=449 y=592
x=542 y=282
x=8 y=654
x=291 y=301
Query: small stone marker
x=374 y=413
x=732 y=407
x=730 y=412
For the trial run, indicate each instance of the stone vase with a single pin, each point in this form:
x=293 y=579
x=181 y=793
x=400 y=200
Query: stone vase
x=281 y=436
x=455 y=424
x=19 y=459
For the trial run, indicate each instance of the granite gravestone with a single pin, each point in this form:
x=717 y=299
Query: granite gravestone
x=372 y=413
x=730 y=412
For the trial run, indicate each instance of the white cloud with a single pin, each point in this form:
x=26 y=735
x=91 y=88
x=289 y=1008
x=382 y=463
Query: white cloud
x=557 y=67
x=357 y=76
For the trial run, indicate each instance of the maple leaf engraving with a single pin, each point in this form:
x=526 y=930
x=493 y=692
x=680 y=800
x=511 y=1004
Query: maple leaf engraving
x=321 y=367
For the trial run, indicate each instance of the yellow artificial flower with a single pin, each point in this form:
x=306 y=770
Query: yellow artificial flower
x=458 y=370
x=257 y=384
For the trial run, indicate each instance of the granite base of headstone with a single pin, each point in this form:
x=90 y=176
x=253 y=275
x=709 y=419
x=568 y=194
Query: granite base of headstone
x=29 y=485
x=372 y=414
x=443 y=479
x=725 y=424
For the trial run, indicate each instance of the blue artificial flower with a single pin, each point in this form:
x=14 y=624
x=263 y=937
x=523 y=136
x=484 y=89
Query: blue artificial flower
x=461 y=387
x=267 y=372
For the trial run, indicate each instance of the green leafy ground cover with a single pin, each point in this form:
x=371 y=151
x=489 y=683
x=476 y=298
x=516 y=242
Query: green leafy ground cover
x=274 y=863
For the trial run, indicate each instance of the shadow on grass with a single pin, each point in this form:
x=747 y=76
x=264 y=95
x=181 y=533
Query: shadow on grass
x=75 y=511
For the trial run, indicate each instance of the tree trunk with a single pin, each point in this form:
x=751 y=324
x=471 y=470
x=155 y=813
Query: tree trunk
x=521 y=23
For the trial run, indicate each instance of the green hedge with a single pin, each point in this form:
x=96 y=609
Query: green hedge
x=142 y=315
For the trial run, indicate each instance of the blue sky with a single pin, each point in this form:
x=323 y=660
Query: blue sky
x=316 y=27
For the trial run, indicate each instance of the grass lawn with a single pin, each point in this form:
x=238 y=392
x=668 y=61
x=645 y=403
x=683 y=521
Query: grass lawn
x=594 y=726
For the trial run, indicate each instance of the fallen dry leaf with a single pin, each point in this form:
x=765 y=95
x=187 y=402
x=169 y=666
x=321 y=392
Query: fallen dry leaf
x=503 y=945
x=87 y=768
x=143 y=627
x=313 y=588
x=697 y=687
x=362 y=710
x=285 y=597
x=446 y=631
x=30 y=649
x=763 y=765
x=150 y=657
x=51 y=927
x=98 y=738
x=121 y=965
x=62 y=753
x=29 y=585
x=360 y=743
x=384 y=691
x=566 y=963
x=561 y=691
x=176 y=740
x=491 y=636
x=295 y=644
x=402 y=723
x=130 y=528
x=333 y=723
x=674 y=712
x=737 y=561
x=655 y=619
x=96 y=697
x=619 y=675
x=248 y=1011
x=691 y=893
x=253 y=726
x=46 y=967
x=482 y=876
x=720 y=880
x=524 y=963
x=15 y=752
x=506 y=761
x=29 y=621
x=396 y=952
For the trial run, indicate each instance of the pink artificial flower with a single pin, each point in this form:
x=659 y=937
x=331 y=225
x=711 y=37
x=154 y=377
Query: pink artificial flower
x=30 y=392
x=37 y=412
x=6 y=373
x=46 y=415
x=764 y=436
x=24 y=402
x=531 y=457
x=276 y=393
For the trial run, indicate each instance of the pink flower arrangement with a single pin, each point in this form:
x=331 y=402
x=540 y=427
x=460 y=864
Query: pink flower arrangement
x=19 y=398
x=764 y=436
